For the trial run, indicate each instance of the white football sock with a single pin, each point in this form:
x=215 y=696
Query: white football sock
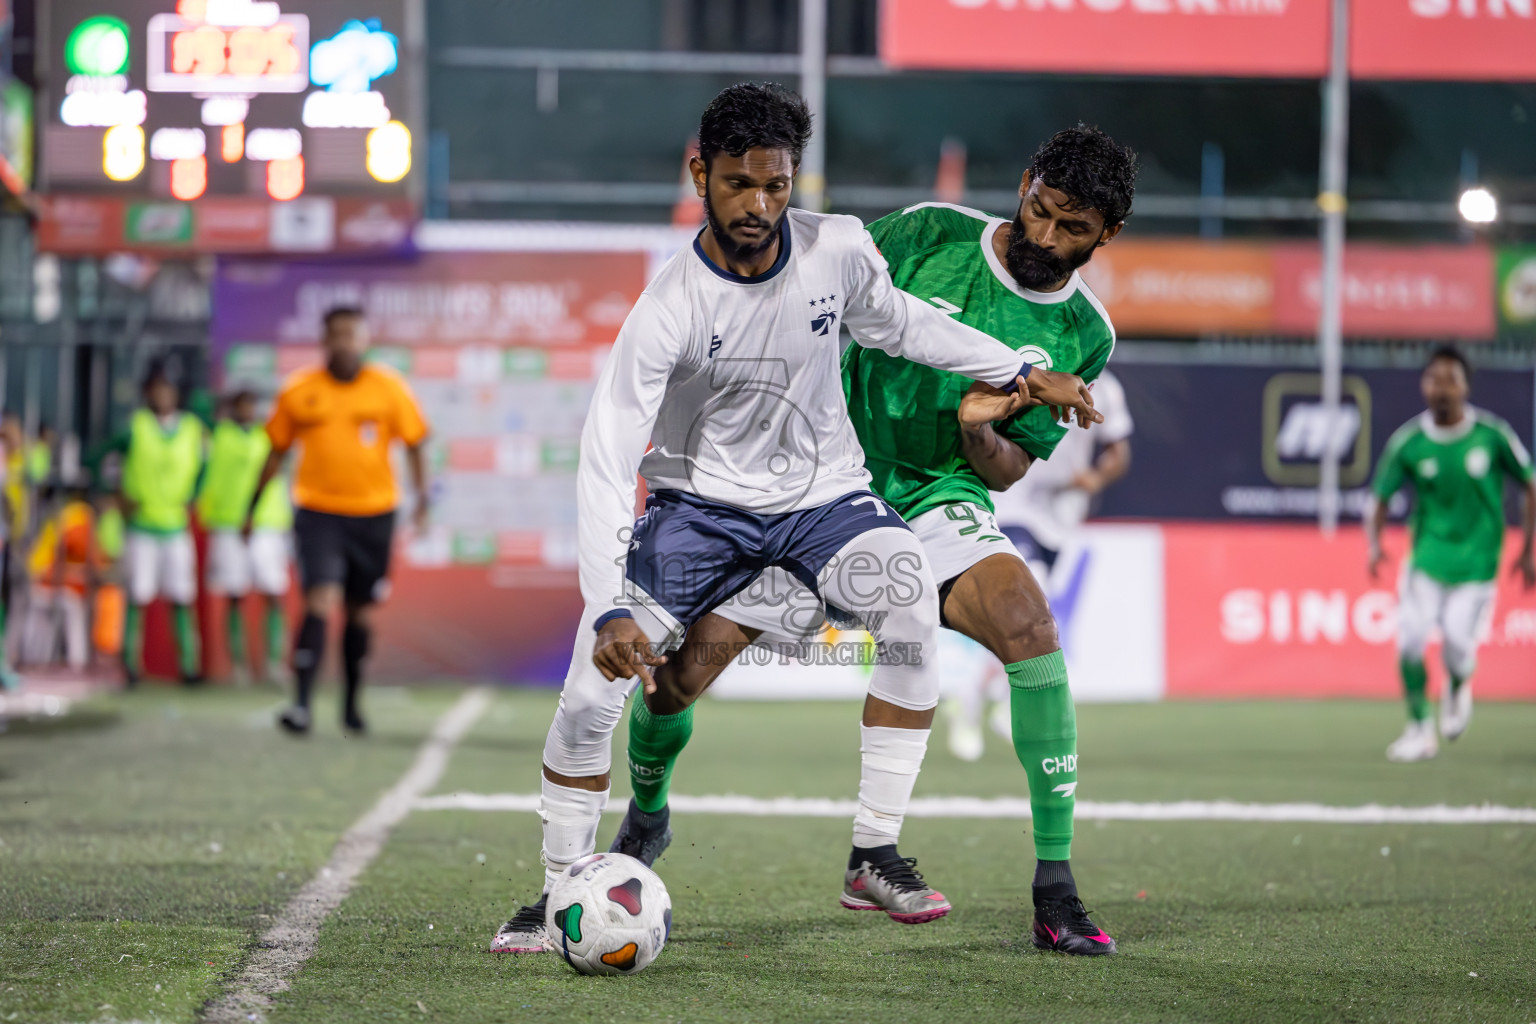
x=570 y=819
x=891 y=760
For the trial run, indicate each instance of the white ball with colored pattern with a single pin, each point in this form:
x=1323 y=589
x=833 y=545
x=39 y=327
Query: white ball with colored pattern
x=609 y=914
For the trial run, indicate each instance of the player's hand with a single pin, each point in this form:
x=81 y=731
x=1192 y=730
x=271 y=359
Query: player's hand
x=1065 y=394
x=247 y=526
x=1525 y=566
x=623 y=651
x=1373 y=564
x=983 y=403
x=421 y=514
x=1089 y=481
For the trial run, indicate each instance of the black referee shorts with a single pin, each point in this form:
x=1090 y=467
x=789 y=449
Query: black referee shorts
x=350 y=550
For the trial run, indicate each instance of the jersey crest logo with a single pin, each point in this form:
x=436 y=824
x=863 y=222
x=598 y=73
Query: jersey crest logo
x=824 y=317
x=714 y=346
x=1478 y=463
x=1034 y=355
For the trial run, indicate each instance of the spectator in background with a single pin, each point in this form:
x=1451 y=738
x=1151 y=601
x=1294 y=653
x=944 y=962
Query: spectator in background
x=237 y=564
x=8 y=678
x=162 y=452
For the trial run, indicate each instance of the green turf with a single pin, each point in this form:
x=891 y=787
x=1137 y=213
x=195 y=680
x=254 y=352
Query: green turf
x=148 y=838
x=109 y=885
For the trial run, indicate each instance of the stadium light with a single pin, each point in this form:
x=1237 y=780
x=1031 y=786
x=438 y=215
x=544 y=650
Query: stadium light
x=1478 y=206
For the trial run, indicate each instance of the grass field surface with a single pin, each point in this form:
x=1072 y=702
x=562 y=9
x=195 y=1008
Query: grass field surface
x=149 y=840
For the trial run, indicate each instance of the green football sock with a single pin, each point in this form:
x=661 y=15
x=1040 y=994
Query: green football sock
x=237 y=652
x=1415 y=681
x=1045 y=738
x=277 y=633
x=133 y=640
x=186 y=640
x=654 y=743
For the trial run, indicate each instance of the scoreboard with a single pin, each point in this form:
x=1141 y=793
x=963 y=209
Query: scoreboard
x=263 y=99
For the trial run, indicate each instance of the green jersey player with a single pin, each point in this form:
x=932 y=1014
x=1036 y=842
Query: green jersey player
x=1018 y=282
x=1456 y=458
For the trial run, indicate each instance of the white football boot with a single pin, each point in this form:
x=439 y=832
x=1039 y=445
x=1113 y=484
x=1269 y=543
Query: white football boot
x=526 y=932
x=1455 y=710
x=966 y=740
x=1417 y=743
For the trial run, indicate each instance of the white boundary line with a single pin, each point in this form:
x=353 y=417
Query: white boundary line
x=1016 y=808
x=291 y=939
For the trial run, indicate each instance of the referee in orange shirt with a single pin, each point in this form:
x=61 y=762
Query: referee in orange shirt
x=345 y=415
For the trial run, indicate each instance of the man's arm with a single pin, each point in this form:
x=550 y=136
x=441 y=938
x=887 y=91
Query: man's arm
x=625 y=404
x=1525 y=563
x=1375 y=519
x=1112 y=464
x=415 y=460
x=882 y=316
x=269 y=469
x=998 y=461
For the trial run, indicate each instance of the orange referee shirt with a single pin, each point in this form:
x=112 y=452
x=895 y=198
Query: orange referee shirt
x=345 y=429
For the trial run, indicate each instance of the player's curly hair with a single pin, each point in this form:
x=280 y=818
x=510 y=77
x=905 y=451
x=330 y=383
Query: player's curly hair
x=1452 y=353
x=1091 y=167
x=754 y=115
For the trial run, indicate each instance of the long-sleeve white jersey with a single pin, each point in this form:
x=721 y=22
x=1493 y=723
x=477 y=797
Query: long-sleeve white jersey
x=734 y=383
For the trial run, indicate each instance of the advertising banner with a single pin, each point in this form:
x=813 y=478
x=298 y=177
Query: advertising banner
x=1214 y=442
x=1516 y=268
x=1159 y=287
x=1281 y=611
x=443 y=299
x=501 y=350
x=1460 y=40
x=1241 y=38
x=1425 y=291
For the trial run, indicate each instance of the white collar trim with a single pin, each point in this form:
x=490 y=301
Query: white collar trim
x=1446 y=435
x=1061 y=294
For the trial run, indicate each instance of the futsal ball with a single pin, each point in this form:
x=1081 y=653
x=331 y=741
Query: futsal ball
x=609 y=914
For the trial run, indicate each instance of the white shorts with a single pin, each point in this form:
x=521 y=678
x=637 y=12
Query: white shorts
x=954 y=538
x=1463 y=611
x=236 y=567
x=160 y=565
x=958 y=535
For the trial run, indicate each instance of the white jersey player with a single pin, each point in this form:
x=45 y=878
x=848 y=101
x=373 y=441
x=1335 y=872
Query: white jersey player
x=727 y=368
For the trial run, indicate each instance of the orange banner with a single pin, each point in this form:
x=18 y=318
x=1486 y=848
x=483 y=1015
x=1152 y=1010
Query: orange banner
x=1184 y=287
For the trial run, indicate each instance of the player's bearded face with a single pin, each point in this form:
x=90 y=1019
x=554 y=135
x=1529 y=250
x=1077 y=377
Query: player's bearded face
x=745 y=237
x=1037 y=267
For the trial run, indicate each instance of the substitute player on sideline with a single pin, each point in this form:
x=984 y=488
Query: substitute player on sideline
x=346 y=414
x=1456 y=458
x=237 y=565
x=727 y=366
x=162 y=453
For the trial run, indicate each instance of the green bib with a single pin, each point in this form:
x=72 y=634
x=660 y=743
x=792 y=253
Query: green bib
x=160 y=472
x=235 y=458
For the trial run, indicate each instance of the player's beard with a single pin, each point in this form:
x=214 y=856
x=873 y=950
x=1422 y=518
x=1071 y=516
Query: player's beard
x=1037 y=268
x=735 y=251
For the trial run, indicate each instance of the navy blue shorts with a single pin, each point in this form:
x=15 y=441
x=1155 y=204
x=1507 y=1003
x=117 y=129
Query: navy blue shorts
x=1030 y=547
x=689 y=554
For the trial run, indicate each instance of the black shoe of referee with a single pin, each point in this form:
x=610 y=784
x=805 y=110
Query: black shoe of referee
x=295 y=720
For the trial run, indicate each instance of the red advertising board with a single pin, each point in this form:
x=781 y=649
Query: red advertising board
x=1280 y=611
x=1246 y=38
x=1466 y=40
x=1425 y=291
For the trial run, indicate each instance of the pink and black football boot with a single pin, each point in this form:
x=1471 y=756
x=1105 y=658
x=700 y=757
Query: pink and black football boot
x=882 y=879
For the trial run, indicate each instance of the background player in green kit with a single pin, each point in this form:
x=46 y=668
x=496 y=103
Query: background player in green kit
x=162 y=453
x=1456 y=458
x=238 y=565
x=1018 y=282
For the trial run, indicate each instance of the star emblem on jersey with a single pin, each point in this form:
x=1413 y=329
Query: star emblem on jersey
x=823 y=315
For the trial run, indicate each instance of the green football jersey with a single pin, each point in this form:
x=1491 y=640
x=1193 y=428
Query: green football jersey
x=1457 y=474
x=904 y=412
